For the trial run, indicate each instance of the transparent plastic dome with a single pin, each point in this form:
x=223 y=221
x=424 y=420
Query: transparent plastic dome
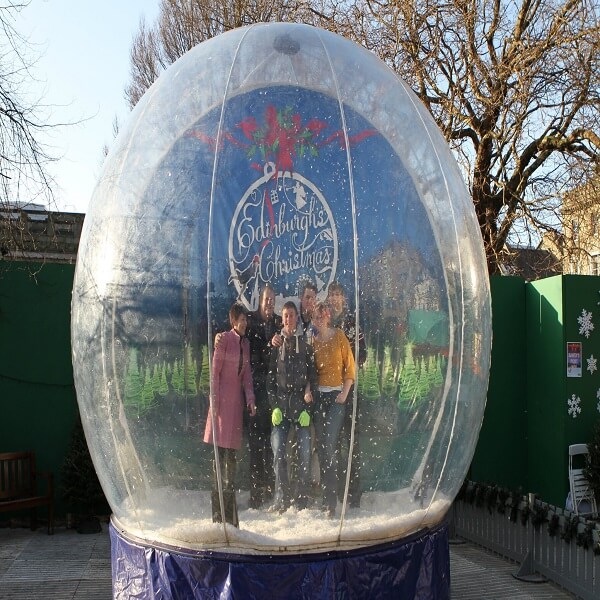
x=278 y=154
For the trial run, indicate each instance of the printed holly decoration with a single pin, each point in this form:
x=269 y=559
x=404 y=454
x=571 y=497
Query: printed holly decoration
x=282 y=137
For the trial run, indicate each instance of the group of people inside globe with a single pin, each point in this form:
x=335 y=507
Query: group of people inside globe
x=295 y=375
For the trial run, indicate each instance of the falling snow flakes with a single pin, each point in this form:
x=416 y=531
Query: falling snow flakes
x=592 y=364
x=585 y=323
x=574 y=403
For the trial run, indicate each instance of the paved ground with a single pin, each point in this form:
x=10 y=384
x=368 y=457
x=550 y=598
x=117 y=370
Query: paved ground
x=70 y=566
x=63 y=566
x=476 y=573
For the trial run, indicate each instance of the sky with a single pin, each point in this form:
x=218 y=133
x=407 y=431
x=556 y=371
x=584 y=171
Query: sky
x=82 y=69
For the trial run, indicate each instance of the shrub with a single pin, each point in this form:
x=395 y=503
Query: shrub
x=592 y=468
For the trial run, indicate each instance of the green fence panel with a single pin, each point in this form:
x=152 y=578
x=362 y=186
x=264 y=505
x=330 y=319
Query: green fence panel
x=500 y=456
x=37 y=395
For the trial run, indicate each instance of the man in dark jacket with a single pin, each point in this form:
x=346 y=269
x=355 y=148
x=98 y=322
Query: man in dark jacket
x=291 y=384
x=262 y=325
x=308 y=300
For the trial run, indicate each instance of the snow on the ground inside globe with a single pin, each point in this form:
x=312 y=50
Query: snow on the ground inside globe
x=182 y=518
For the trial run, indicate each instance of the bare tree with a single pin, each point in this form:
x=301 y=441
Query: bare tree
x=514 y=87
x=182 y=24
x=24 y=158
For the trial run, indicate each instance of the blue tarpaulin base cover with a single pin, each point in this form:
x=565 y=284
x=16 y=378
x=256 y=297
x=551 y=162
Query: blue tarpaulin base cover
x=417 y=567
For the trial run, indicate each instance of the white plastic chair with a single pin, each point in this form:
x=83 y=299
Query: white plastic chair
x=581 y=493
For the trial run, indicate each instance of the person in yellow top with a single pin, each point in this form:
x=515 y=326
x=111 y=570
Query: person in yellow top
x=335 y=367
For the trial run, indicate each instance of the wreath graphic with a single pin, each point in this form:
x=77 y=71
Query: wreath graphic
x=281 y=138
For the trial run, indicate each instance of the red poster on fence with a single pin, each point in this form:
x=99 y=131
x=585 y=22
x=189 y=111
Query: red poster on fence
x=574 y=359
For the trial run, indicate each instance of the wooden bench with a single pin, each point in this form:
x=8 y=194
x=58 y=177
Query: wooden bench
x=19 y=486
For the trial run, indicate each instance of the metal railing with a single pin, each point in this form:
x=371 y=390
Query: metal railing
x=547 y=540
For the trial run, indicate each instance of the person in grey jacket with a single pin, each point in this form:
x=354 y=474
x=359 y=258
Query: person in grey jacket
x=291 y=385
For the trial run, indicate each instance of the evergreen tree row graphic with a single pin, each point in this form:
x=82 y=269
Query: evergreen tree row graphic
x=144 y=386
x=410 y=382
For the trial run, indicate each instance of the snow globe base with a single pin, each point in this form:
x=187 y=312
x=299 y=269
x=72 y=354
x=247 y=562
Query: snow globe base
x=417 y=566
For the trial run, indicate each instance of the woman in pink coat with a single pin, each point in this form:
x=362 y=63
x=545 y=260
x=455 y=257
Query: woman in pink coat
x=231 y=380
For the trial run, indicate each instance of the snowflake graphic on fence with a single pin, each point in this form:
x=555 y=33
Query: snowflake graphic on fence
x=592 y=364
x=585 y=323
x=574 y=403
x=598 y=396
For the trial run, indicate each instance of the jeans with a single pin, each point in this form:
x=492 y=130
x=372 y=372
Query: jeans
x=354 y=487
x=328 y=418
x=279 y=436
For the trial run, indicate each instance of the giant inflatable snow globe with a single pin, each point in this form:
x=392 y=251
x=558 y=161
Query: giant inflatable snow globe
x=274 y=156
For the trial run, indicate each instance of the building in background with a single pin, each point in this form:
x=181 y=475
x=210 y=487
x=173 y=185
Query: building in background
x=30 y=232
x=577 y=248
x=581 y=226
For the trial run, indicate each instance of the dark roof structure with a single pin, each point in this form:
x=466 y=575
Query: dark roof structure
x=530 y=263
x=39 y=235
